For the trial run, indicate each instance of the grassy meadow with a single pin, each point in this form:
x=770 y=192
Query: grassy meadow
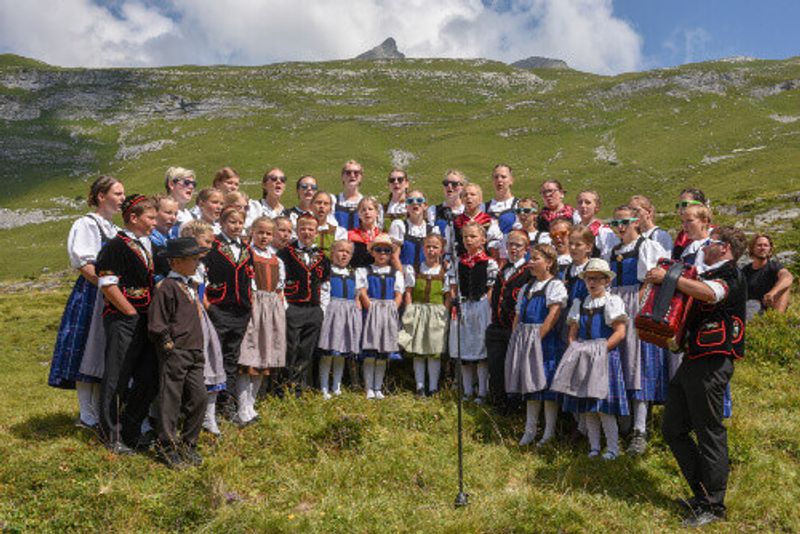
x=349 y=465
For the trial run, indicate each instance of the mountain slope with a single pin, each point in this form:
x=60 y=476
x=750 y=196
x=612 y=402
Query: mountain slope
x=730 y=128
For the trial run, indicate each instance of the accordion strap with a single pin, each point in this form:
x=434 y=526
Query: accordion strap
x=663 y=299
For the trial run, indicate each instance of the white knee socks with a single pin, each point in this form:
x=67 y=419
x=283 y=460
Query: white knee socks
x=369 y=376
x=87 y=410
x=255 y=385
x=419 y=372
x=210 y=419
x=550 y=417
x=338 y=371
x=243 y=398
x=592 y=421
x=380 y=372
x=467 y=378
x=639 y=415
x=483 y=378
x=324 y=371
x=609 y=423
x=434 y=367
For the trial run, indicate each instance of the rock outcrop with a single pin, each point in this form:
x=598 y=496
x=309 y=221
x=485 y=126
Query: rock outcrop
x=538 y=62
x=385 y=50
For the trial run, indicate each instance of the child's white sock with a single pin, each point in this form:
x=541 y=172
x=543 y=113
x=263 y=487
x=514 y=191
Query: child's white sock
x=324 y=371
x=369 y=376
x=434 y=368
x=87 y=413
x=610 y=430
x=380 y=372
x=592 y=421
x=210 y=419
x=532 y=410
x=243 y=397
x=97 y=390
x=550 y=417
x=639 y=415
x=419 y=372
x=255 y=385
x=483 y=378
x=467 y=378
x=338 y=371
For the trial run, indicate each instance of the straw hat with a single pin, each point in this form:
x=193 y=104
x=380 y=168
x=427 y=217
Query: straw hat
x=598 y=265
x=380 y=239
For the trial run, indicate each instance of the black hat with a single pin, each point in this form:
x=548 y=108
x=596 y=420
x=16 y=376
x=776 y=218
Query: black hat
x=182 y=247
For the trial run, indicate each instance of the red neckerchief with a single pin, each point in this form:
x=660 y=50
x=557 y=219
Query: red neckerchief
x=474 y=259
x=482 y=218
x=682 y=239
x=358 y=235
x=548 y=215
x=595 y=226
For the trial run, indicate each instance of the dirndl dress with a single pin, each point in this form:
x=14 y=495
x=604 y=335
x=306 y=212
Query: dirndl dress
x=264 y=342
x=381 y=327
x=213 y=372
x=471 y=326
x=73 y=334
x=341 y=328
x=425 y=320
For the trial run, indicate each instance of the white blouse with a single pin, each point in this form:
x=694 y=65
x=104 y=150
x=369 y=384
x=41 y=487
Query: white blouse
x=397 y=231
x=85 y=239
x=411 y=278
x=615 y=308
x=362 y=272
x=554 y=293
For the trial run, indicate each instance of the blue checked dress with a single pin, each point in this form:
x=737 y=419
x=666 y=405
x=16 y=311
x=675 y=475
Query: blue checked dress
x=591 y=326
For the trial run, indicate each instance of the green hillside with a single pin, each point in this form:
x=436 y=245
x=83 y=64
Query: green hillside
x=731 y=128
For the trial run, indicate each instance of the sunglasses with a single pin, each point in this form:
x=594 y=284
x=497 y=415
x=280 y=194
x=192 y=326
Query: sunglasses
x=622 y=222
x=281 y=179
x=415 y=200
x=595 y=278
x=396 y=180
x=186 y=182
x=306 y=187
x=686 y=203
x=351 y=172
x=715 y=242
x=526 y=211
x=563 y=233
x=382 y=250
x=546 y=192
x=451 y=183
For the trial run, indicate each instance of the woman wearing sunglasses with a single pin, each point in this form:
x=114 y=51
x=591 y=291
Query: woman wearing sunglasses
x=346 y=203
x=306 y=188
x=409 y=234
x=526 y=211
x=441 y=214
x=180 y=184
x=273 y=185
x=395 y=209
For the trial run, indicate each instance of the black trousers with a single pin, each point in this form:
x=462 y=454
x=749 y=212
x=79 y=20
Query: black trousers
x=181 y=389
x=497 y=339
x=231 y=325
x=694 y=403
x=303 y=325
x=129 y=355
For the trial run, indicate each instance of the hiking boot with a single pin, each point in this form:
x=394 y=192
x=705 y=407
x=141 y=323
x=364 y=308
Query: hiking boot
x=638 y=444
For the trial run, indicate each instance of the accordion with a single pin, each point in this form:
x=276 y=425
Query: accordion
x=662 y=318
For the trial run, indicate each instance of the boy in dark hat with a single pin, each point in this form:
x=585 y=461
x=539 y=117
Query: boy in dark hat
x=175 y=329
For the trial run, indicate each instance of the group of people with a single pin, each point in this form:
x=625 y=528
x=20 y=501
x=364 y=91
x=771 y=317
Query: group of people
x=198 y=305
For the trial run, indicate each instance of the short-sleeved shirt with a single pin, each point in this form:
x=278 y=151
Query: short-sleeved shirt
x=363 y=272
x=649 y=253
x=554 y=293
x=411 y=276
x=761 y=281
x=614 y=311
x=397 y=230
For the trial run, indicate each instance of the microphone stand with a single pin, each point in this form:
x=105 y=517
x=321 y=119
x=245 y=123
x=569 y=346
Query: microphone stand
x=462 y=497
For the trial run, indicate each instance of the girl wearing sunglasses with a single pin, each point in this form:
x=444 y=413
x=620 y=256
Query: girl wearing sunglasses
x=381 y=295
x=644 y=365
x=526 y=211
x=410 y=233
x=181 y=184
x=273 y=184
x=306 y=188
x=395 y=208
x=441 y=214
x=347 y=202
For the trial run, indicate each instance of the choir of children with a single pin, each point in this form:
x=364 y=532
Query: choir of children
x=321 y=285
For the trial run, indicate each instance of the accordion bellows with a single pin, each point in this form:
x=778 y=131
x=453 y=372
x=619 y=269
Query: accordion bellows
x=662 y=318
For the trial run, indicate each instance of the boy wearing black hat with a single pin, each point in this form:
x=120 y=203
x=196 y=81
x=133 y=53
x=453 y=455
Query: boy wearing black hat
x=175 y=329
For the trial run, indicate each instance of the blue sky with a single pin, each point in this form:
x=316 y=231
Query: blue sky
x=682 y=31
x=602 y=36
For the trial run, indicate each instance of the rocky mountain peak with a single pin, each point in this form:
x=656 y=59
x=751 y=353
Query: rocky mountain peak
x=538 y=62
x=385 y=50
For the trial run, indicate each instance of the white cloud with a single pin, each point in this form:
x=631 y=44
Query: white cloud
x=585 y=33
x=689 y=45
